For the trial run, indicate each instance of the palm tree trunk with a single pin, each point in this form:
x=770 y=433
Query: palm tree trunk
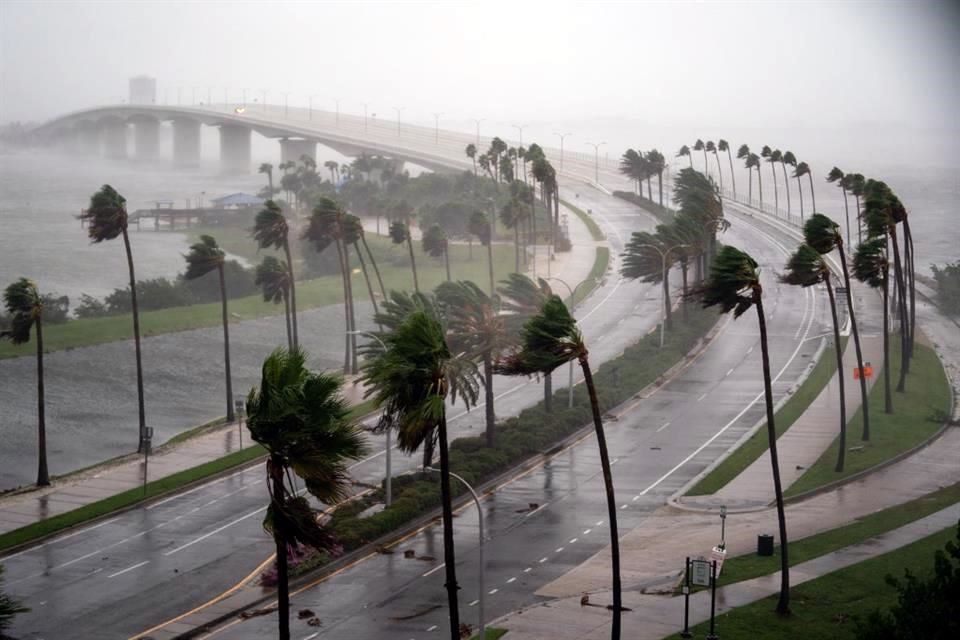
x=449 y=556
x=226 y=343
x=348 y=278
x=446 y=261
x=43 y=476
x=346 y=309
x=611 y=498
x=706 y=168
x=667 y=311
x=783 y=605
x=660 y=186
x=286 y=314
x=840 y=376
x=649 y=190
x=776 y=196
x=136 y=341
x=516 y=246
x=548 y=392
x=786 y=186
x=488 y=396
x=690 y=158
x=719 y=170
x=846 y=210
x=750 y=191
x=683 y=273
x=760 y=186
x=278 y=496
x=911 y=282
x=902 y=310
x=373 y=263
x=733 y=175
x=887 y=394
x=859 y=221
x=493 y=290
x=366 y=278
x=800 y=189
x=865 y=436
x=813 y=193
x=293 y=294
x=413 y=261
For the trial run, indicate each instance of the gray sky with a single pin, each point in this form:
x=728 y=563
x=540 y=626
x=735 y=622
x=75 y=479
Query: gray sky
x=782 y=65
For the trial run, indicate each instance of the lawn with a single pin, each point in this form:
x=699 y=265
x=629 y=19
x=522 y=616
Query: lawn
x=918 y=414
x=828 y=607
x=757 y=444
x=595 y=231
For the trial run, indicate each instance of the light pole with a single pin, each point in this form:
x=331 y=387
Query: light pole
x=286 y=103
x=666 y=283
x=476 y=501
x=596 y=160
x=244 y=98
x=364 y=117
x=264 y=92
x=310 y=105
x=573 y=306
x=399 y=110
x=193 y=96
x=436 y=128
x=336 y=120
x=520 y=127
x=388 y=500
x=478 y=121
x=562 y=136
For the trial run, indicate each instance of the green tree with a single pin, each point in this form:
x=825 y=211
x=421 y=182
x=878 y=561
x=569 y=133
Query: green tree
x=712 y=148
x=400 y=233
x=550 y=339
x=8 y=607
x=753 y=162
x=631 y=165
x=206 y=256
x=802 y=169
x=685 y=151
x=410 y=381
x=471 y=151
x=647 y=257
x=270 y=229
x=273 y=278
x=480 y=226
x=767 y=154
x=435 y=245
x=512 y=216
x=723 y=145
x=25 y=306
x=303 y=422
x=837 y=176
x=106 y=219
x=352 y=236
x=520 y=299
x=699 y=146
x=267 y=168
x=658 y=165
x=856 y=183
x=734 y=285
x=806 y=268
x=871 y=265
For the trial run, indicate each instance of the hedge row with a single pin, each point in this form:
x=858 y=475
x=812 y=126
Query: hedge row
x=663 y=214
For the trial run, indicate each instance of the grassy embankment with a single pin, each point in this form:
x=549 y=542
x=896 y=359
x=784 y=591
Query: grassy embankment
x=313 y=293
x=595 y=231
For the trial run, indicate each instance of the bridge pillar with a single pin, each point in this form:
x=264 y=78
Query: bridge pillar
x=235 y=150
x=293 y=150
x=146 y=139
x=186 y=143
x=88 y=140
x=113 y=133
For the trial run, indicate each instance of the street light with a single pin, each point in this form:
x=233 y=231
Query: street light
x=520 y=127
x=336 y=121
x=286 y=103
x=478 y=130
x=596 y=160
x=399 y=110
x=364 y=117
x=244 y=98
x=310 y=105
x=389 y=488
x=562 y=136
x=573 y=306
x=666 y=284
x=264 y=92
x=476 y=501
x=436 y=127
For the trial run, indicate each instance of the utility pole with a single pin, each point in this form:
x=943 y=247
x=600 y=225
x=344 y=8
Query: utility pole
x=596 y=160
x=399 y=110
x=436 y=128
x=520 y=127
x=478 y=131
x=562 y=136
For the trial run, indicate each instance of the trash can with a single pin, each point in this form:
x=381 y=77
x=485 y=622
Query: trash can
x=764 y=544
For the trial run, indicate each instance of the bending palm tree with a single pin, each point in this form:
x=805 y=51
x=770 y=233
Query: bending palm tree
x=807 y=268
x=205 y=256
x=723 y=145
x=303 y=422
x=471 y=151
x=657 y=165
x=25 y=306
x=786 y=158
x=551 y=339
x=872 y=266
x=712 y=148
x=836 y=175
x=270 y=229
x=479 y=225
x=734 y=285
x=685 y=151
x=267 y=168
x=856 y=184
x=699 y=146
x=803 y=170
x=767 y=154
x=410 y=380
x=743 y=153
x=106 y=220
x=646 y=257
x=400 y=233
x=273 y=278
x=352 y=234
x=520 y=299
x=753 y=162
x=435 y=245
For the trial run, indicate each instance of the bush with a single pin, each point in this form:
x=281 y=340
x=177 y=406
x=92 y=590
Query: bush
x=948 y=287
x=663 y=214
x=8 y=607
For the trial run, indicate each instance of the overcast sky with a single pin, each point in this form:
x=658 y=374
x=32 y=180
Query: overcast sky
x=719 y=64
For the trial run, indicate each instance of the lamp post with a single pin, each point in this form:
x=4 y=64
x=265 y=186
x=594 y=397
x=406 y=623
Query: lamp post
x=364 y=117
x=723 y=526
x=562 y=136
x=286 y=103
x=436 y=127
x=310 y=105
x=596 y=160
x=573 y=306
x=388 y=500
x=520 y=128
x=476 y=501
x=399 y=110
x=666 y=284
x=264 y=92
x=478 y=121
x=337 y=112
x=244 y=98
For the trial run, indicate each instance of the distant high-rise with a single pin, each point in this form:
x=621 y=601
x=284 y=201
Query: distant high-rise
x=143 y=90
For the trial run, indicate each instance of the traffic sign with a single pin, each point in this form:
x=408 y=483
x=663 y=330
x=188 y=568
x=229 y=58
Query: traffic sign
x=700 y=572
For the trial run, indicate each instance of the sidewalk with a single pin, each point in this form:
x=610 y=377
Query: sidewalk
x=656 y=616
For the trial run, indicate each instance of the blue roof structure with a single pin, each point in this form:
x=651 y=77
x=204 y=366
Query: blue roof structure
x=237 y=200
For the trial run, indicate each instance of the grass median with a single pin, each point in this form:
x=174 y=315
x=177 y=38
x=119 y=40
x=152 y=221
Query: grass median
x=829 y=606
x=917 y=414
x=595 y=232
x=754 y=447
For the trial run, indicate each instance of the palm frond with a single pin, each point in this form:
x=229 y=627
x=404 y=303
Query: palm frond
x=270 y=227
x=549 y=339
x=805 y=267
x=204 y=257
x=734 y=277
x=106 y=217
x=821 y=233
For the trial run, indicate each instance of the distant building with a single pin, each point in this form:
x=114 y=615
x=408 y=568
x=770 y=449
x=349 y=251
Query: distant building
x=237 y=201
x=143 y=90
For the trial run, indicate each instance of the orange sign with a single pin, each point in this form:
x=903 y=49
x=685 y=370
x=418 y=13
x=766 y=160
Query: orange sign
x=867 y=371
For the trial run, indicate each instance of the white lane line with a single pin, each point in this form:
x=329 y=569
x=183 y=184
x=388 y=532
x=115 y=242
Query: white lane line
x=311 y=636
x=214 y=532
x=473 y=604
x=572 y=540
x=665 y=425
x=542 y=560
x=750 y=350
x=492 y=591
x=559 y=549
x=434 y=570
x=511 y=580
x=431 y=628
x=730 y=371
x=541 y=507
x=635 y=498
x=61 y=538
x=599 y=304
x=702 y=396
x=528 y=570
x=587 y=531
x=136 y=566
x=599 y=523
x=206 y=485
x=623 y=506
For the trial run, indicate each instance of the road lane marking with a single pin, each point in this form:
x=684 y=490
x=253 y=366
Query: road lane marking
x=492 y=591
x=136 y=566
x=540 y=508
x=473 y=604
x=702 y=396
x=665 y=425
x=559 y=549
x=542 y=560
x=599 y=523
x=432 y=628
x=434 y=570
x=528 y=570
x=511 y=580
x=59 y=539
x=586 y=531
x=572 y=540
x=730 y=371
x=214 y=532
x=635 y=498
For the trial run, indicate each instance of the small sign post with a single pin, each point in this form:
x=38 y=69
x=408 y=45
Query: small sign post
x=713 y=602
x=723 y=527
x=700 y=570
x=239 y=407
x=147 y=443
x=686 y=602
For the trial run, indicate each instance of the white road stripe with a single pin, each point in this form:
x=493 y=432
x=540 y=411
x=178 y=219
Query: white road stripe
x=665 y=425
x=214 y=532
x=511 y=580
x=434 y=570
x=136 y=566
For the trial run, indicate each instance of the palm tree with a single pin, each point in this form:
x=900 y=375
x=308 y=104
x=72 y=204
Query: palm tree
x=630 y=165
x=270 y=229
x=723 y=145
x=273 y=278
x=206 y=256
x=410 y=380
x=511 y=216
x=734 y=285
x=478 y=331
x=712 y=148
x=472 y=154
x=326 y=228
x=685 y=151
x=520 y=299
x=836 y=175
x=25 y=306
x=435 y=245
x=352 y=235
x=823 y=234
x=753 y=162
x=767 y=154
x=106 y=219
x=699 y=146
x=548 y=340
x=856 y=184
x=303 y=422
x=657 y=164
x=786 y=158
x=801 y=170
x=267 y=168
x=332 y=166
x=400 y=233
x=644 y=257
x=479 y=225
x=807 y=268
x=872 y=266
